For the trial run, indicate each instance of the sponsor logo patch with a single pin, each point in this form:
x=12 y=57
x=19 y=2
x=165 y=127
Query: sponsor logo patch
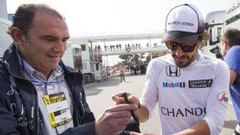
x=200 y=83
x=223 y=98
x=173 y=84
x=183 y=112
x=173 y=71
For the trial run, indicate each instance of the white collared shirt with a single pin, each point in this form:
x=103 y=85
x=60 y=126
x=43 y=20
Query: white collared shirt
x=54 y=84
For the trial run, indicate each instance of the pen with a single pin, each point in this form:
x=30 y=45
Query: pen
x=132 y=113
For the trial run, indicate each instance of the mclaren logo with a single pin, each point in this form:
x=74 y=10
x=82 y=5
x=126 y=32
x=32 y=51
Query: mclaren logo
x=173 y=71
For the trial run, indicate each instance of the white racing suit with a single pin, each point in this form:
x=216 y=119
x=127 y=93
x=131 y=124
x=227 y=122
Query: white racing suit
x=187 y=95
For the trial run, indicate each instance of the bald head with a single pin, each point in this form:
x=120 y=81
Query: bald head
x=25 y=14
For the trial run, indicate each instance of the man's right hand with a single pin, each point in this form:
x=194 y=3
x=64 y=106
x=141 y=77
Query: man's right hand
x=141 y=112
x=114 y=119
x=119 y=99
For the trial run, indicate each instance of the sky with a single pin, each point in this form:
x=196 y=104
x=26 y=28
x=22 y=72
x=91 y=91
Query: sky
x=109 y=17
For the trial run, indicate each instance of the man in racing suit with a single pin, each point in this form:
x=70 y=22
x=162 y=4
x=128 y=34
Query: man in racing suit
x=190 y=89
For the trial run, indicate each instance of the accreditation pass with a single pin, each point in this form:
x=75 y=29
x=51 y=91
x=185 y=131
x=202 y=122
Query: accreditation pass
x=58 y=109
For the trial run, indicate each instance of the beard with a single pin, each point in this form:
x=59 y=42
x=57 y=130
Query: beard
x=182 y=61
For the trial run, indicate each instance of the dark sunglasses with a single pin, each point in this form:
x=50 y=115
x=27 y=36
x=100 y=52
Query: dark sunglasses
x=174 y=46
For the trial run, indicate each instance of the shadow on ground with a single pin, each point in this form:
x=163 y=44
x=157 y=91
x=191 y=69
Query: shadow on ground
x=95 y=89
x=230 y=124
x=108 y=83
x=91 y=92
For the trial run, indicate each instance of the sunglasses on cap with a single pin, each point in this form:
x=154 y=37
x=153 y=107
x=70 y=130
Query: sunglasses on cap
x=173 y=46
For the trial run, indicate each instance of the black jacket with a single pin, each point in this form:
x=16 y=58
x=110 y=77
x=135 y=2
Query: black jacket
x=19 y=111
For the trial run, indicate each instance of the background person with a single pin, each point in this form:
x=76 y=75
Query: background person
x=190 y=89
x=39 y=94
x=122 y=74
x=231 y=50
